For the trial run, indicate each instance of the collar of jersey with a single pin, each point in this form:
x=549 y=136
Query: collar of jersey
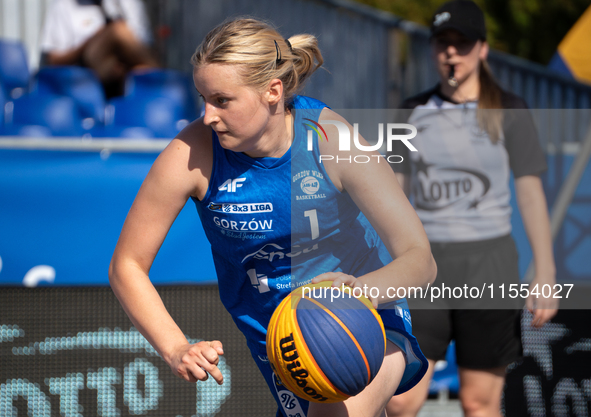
x=264 y=162
x=466 y=104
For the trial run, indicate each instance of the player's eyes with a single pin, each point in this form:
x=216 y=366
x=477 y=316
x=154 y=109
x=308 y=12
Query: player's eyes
x=222 y=100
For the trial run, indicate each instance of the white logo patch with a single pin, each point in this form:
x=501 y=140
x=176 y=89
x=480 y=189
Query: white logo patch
x=259 y=281
x=273 y=251
x=441 y=18
x=244 y=226
x=241 y=208
x=230 y=185
x=310 y=185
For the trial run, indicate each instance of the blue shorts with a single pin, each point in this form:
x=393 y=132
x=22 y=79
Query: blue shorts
x=397 y=322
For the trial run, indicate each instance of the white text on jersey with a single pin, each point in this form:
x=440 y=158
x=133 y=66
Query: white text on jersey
x=230 y=185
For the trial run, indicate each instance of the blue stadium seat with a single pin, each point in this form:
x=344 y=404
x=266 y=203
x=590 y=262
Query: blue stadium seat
x=44 y=114
x=14 y=67
x=161 y=115
x=3 y=100
x=33 y=131
x=174 y=85
x=79 y=83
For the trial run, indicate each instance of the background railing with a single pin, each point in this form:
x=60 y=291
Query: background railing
x=373 y=59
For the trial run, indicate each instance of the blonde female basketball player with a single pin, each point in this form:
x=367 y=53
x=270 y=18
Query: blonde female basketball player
x=274 y=215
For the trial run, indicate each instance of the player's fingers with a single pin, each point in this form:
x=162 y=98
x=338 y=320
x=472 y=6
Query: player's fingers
x=327 y=276
x=343 y=279
x=182 y=373
x=202 y=360
x=198 y=372
x=210 y=355
x=214 y=371
x=217 y=345
x=189 y=371
x=355 y=283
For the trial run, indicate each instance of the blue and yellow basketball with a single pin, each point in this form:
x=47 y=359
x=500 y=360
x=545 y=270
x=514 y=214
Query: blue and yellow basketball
x=324 y=348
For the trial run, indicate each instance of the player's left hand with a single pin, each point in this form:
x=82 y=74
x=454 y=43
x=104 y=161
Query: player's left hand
x=340 y=278
x=542 y=308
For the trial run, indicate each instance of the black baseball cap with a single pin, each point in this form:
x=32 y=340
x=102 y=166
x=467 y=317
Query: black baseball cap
x=462 y=15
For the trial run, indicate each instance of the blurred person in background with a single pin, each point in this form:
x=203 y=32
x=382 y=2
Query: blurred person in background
x=461 y=141
x=112 y=37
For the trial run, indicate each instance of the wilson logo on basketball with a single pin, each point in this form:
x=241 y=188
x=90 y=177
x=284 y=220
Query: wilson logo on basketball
x=290 y=354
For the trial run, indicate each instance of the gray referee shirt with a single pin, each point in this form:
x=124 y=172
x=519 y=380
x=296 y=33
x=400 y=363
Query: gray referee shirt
x=459 y=178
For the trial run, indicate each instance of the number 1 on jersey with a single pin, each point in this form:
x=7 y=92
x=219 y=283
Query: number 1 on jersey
x=313 y=216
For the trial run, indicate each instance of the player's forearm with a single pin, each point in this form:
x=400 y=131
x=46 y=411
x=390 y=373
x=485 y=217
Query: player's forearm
x=532 y=206
x=145 y=308
x=414 y=268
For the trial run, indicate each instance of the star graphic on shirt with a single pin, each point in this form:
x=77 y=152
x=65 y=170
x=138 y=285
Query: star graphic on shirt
x=474 y=204
x=422 y=166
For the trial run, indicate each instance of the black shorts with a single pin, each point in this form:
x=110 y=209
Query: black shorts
x=486 y=330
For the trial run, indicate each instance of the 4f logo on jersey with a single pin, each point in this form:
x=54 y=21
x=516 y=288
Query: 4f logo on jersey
x=230 y=185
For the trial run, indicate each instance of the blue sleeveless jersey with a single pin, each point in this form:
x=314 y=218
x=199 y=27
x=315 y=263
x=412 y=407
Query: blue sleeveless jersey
x=276 y=223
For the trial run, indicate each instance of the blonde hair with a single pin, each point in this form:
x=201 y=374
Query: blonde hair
x=261 y=53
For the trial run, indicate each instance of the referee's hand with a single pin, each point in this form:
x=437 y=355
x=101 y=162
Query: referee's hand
x=542 y=308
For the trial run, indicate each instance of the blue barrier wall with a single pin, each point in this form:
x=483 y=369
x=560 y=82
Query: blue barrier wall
x=65 y=210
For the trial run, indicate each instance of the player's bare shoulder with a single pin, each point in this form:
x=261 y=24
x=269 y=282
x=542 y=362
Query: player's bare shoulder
x=333 y=152
x=196 y=135
x=331 y=145
x=190 y=156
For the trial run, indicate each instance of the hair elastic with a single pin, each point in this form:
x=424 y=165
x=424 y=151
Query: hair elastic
x=278 y=59
x=288 y=44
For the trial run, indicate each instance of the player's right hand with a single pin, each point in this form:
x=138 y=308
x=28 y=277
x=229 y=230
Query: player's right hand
x=196 y=362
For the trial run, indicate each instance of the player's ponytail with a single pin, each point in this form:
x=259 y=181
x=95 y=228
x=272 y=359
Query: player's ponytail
x=306 y=59
x=261 y=54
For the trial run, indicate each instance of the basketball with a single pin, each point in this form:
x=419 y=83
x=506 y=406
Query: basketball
x=325 y=348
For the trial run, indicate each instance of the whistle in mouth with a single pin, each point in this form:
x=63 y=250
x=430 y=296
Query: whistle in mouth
x=451 y=80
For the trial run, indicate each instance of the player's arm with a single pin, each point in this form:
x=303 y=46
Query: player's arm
x=375 y=189
x=532 y=207
x=404 y=182
x=179 y=172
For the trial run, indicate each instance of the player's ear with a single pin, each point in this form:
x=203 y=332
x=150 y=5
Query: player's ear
x=274 y=92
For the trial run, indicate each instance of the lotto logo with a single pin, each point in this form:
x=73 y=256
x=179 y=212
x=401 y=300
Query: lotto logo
x=230 y=185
